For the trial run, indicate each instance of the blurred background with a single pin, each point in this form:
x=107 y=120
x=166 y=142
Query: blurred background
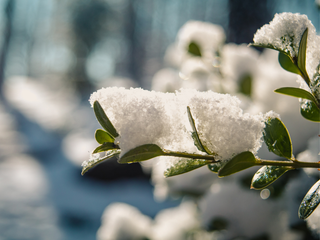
x=53 y=55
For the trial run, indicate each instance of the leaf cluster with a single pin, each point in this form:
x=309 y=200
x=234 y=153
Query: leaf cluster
x=275 y=135
x=309 y=109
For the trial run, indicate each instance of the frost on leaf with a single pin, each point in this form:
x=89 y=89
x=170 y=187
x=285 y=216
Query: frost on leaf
x=315 y=83
x=95 y=159
x=267 y=175
x=310 y=202
x=185 y=165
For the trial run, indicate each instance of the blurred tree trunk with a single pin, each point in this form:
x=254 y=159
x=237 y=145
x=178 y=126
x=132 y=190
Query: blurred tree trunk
x=245 y=17
x=136 y=49
x=88 y=18
x=6 y=41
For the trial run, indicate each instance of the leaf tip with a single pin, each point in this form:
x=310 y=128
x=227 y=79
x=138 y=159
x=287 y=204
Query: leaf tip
x=221 y=175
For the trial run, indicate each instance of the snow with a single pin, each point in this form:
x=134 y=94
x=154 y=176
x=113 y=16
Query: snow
x=284 y=33
x=175 y=223
x=245 y=218
x=122 y=221
x=49 y=106
x=145 y=117
x=209 y=37
x=238 y=61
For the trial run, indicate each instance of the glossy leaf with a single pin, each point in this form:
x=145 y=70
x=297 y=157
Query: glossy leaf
x=104 y=120
x=195 y=135
x=194 y=49
x=287 y=63
x=296 y=92
x=302 y=54
x=141 y=153
x=102 y=136
x=267 y=175
x=310 y=201
x=310 y=111
x=277 y=138
x=185 y=165
x=238 y=163
x=105 y=147
x=86 y=166
x=215 y=167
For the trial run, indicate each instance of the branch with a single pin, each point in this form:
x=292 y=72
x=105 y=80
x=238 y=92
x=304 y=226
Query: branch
x=293 y=164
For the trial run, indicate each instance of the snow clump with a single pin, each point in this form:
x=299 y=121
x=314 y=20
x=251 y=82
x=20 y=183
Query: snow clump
x=284 y=33
x=122 y=221
x=149 y=117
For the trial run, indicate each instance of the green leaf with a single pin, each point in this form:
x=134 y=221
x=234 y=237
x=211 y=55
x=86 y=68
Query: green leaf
x=296 y=92
x=86 y=166
x=194 y=49
x=195 y=135
x=277 y=138
x=215 y=167
x=245 y=85
x=105 y=147
x=310 y=111
x=284 y=58
x=267 y=175
x=141 y=153
x=310 y=201
x=102 y=136
x=104 y=120
x=302 y=54
x=238 y=163
x=185 y=165
x=287 y=63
